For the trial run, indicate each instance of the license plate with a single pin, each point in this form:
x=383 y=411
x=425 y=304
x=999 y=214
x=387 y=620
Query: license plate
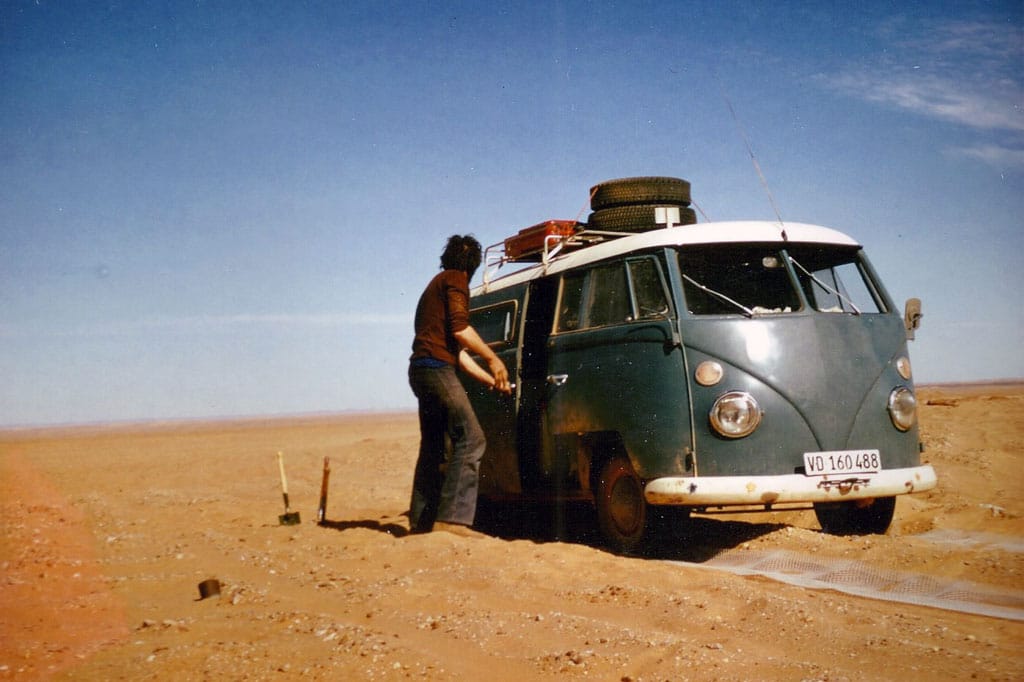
x=839 y=462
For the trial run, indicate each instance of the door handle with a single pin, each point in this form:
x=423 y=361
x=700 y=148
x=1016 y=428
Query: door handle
x=558 y=379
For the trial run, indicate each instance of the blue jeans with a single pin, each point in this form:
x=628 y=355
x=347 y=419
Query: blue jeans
x=445 y=413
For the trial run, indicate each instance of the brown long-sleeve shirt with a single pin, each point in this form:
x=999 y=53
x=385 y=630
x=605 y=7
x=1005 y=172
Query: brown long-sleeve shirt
x=443 y=309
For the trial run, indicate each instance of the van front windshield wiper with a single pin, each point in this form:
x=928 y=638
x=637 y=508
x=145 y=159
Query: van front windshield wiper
x=720 y=296
x=838 y=294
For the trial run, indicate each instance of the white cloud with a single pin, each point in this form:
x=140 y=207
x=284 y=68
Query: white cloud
x=1000 y=44
x=282 y=319
x=206 y=323
x=965 y=73
x=991 y=154
x=985 y=106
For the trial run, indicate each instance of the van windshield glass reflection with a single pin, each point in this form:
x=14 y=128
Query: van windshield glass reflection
x=834 y=280
x=750 y=280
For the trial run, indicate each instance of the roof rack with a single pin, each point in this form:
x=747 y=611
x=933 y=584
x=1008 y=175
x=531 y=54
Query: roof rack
x=542 y=242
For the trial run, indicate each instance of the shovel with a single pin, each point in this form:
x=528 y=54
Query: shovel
x=289 y=518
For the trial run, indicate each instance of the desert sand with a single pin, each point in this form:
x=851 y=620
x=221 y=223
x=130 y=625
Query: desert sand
x=108 y=530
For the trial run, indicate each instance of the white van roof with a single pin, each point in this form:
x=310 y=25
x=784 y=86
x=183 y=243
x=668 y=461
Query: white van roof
x=726 y=232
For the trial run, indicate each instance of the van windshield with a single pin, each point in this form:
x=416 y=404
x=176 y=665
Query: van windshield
x=836 y=279
x=754 y=280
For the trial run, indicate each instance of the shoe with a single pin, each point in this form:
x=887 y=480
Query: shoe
x=457 y=529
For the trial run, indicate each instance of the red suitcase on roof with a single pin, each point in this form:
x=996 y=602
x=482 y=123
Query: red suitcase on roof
x=528 y=244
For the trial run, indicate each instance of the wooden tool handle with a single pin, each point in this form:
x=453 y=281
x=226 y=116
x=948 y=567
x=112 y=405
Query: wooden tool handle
x=284 y=481
x=321 y=513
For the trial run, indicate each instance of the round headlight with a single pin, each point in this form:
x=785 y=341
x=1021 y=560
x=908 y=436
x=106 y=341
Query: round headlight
x=708 y=373
x=902 y=408
x=735 y=414
x=903 y=367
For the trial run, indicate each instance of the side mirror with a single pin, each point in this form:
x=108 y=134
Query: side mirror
x=912 y=316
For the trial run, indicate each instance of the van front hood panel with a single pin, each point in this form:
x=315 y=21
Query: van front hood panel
x=824 y=365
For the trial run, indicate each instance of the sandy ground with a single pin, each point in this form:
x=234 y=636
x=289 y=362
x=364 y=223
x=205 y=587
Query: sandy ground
x=108 y=531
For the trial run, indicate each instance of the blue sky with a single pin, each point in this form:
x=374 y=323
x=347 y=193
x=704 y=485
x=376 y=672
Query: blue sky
x=217 y=209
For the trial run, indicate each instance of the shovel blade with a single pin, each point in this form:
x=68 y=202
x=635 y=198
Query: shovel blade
x=289 y=519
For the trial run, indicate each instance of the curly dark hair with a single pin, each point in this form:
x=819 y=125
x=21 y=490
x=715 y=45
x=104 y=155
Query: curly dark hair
x=462 y=253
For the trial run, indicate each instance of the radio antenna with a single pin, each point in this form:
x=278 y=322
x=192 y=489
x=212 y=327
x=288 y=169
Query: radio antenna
x=753 y=159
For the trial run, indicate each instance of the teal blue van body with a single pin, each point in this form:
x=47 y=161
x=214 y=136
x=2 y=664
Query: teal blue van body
x=720 y=366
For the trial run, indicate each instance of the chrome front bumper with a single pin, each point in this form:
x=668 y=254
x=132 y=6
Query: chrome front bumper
x=709 y=491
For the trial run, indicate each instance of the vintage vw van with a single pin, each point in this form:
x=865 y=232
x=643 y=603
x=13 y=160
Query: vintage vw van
x=662 y=366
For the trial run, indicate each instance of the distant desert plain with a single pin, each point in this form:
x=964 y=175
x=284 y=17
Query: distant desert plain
x=107 y=531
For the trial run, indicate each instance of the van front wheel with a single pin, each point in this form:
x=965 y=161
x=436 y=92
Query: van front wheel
x=621 y=508
x=859 y=517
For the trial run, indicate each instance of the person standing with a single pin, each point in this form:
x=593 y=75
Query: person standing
x=447 y=500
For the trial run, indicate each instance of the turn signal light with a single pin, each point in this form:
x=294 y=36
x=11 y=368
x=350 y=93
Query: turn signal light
x=708 y=373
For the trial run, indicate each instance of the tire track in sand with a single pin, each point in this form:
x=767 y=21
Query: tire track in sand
x=56 y=607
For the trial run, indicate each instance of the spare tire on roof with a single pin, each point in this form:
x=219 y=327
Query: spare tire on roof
x=639 y=218
x=646 y=190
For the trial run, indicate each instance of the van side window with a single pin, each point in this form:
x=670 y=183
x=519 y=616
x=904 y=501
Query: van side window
x=609 y=296
x=602 y=296
x=494 y=323
x=648 y=289
x=570 y=302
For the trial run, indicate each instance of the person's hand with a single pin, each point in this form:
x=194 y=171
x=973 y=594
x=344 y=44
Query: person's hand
x=500 y=374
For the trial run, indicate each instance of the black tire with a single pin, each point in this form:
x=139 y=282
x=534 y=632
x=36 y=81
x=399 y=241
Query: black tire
x=638 y=218
x=621 y=508
x=647 y=190
x=860 y=517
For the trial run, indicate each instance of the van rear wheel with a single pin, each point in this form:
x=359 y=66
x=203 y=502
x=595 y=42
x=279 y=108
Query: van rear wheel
x=859 y=517
x=621 y=508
